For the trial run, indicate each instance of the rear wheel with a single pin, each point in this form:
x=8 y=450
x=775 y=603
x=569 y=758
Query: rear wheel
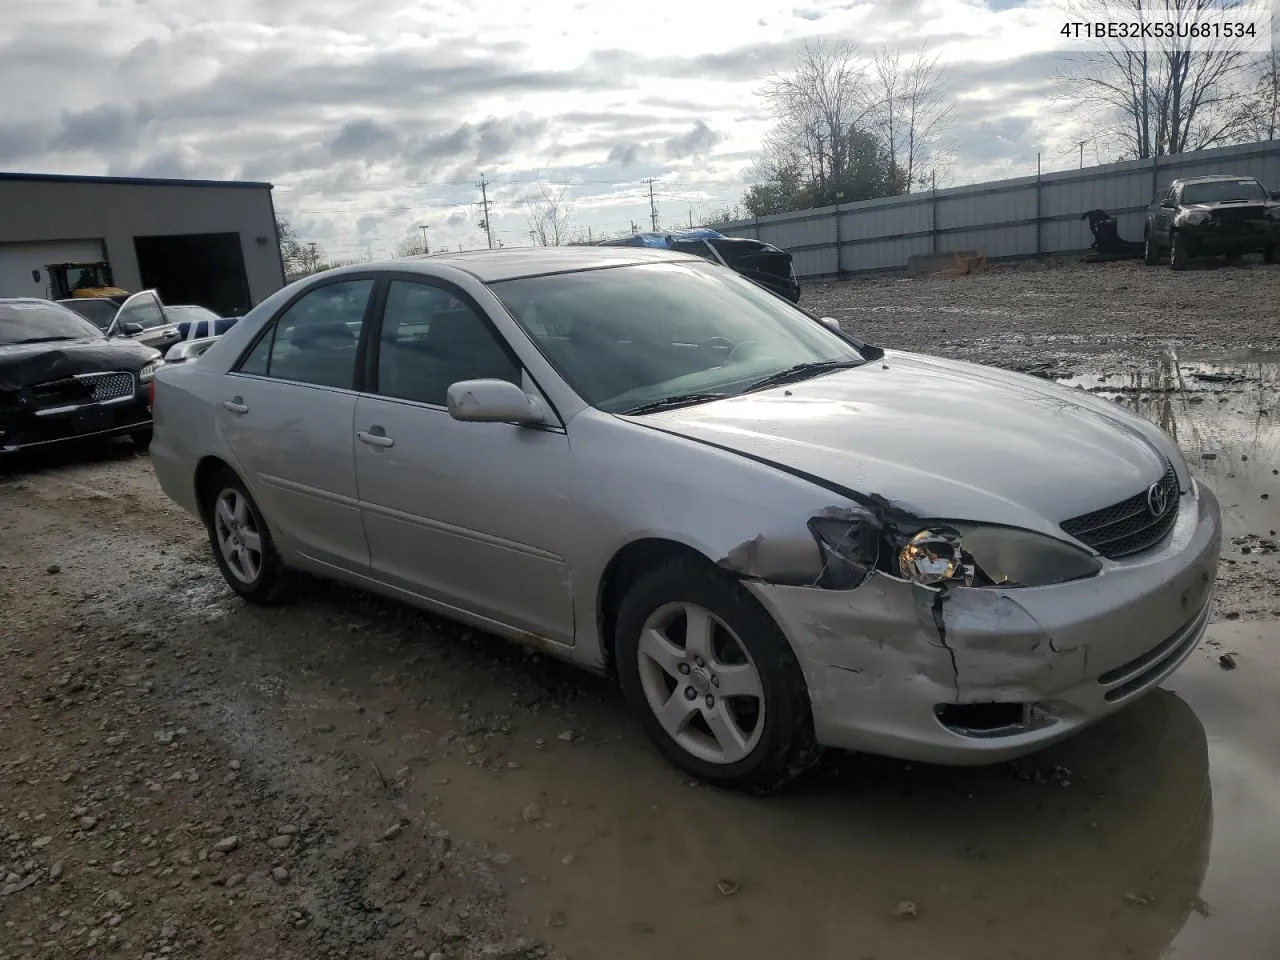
x=716 y=684
x=1150 y=252
x=1179 y=255
x=242 y=545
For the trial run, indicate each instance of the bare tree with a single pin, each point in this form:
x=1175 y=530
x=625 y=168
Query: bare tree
x=1162 y=95
x=914 y=109
x=1259 y=113
x=549 y=214
x=413 y=246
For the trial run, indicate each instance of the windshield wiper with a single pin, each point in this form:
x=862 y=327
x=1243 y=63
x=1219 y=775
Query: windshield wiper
x=45 y=339
x=802 y=371
x=679 y=400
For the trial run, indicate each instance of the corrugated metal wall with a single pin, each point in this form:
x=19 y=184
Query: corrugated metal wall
x=1000 y=218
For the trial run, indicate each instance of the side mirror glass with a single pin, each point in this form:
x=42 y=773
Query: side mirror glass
x=493 y=401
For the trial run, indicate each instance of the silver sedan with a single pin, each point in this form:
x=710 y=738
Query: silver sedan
x=776 y=537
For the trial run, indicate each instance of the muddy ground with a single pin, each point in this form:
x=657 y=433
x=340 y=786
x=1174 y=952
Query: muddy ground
x=183 y=775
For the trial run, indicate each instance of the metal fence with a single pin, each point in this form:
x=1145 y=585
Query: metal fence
x=1024 y=217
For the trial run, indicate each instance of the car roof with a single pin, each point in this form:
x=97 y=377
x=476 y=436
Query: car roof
x=492 y=266
x=1216 y=177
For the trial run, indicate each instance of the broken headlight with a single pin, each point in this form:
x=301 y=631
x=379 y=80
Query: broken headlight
x=988 y=556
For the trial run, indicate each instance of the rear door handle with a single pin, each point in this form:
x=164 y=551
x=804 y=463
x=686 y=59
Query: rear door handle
x=235 y=405
x=375 y=437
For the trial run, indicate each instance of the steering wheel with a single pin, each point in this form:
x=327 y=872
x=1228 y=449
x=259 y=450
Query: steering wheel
x=745 y=344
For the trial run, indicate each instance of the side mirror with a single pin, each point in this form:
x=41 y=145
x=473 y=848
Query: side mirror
x=831 y=322
x=188 y=349
x=1275 y=194
x=131 y=329
x=1169 y=204
x=35 y=275
x=493 y=401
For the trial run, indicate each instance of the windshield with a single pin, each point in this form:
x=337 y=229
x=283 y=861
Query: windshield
x=34 y=321
x=627 y=336
x=1219 y=191
x=98 y=312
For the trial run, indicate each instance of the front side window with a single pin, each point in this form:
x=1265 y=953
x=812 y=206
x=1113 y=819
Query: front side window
x=626 y=337
x=98 y=312
x=314 y=341
x=145 y=312
x=430 y=340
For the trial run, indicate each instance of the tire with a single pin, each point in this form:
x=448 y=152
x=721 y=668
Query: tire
x=1179 y=255
x=265 y=582
x=1150 y=251
x=1269 y=254
x=141 y=439
x=765 y=734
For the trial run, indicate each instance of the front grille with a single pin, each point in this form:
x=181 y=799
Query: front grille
x=110 y=386
x=1234 y=215
x=1129 y=526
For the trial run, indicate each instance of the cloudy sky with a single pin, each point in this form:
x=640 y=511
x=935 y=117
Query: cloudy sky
x=372 y=118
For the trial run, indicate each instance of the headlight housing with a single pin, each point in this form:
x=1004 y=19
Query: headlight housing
x=966 y=554
x=149 y=371
x=1191 y=218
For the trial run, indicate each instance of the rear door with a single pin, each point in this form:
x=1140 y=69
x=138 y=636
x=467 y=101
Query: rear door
x=287 y=411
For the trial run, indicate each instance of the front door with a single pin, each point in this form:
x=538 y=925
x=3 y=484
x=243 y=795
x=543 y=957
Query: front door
x=287 y=412
x=145 y=310
x=470 y=515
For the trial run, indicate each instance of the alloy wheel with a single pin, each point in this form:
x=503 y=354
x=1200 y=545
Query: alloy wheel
x=238 y=537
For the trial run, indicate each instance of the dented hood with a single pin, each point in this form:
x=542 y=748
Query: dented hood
x=24 y=364
x=942 y=439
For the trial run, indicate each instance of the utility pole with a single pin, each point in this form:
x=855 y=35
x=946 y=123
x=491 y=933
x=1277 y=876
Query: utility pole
x=653 y=210
x=423 y=228
x=1082 y=143
x=484 y=202
x=590 y=237
x=315 y=257
x=691 y=218
x=634 y=228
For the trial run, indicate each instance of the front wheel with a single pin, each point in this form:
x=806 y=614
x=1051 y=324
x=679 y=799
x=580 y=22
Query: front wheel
x=242 y=545
x=1179 y=255
x=716 y=684
x=1150 y=252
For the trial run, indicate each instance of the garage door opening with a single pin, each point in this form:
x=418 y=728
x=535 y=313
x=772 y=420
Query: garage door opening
x=201 y=268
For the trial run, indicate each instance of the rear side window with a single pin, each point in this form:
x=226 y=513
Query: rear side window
x=314 y=341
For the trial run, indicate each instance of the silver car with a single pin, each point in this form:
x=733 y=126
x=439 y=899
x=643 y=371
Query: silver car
x=776 y=537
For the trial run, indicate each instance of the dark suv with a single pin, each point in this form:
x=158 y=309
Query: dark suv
x=1207 y=216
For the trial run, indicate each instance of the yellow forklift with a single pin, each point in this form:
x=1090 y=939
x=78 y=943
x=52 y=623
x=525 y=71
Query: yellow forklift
x=90 y=279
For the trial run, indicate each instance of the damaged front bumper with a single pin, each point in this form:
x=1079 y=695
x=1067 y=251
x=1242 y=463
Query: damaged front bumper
x=981 y=675
x=31 y=429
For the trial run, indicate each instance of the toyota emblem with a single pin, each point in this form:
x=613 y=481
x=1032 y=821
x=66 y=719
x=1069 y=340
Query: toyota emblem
x=1157 y=500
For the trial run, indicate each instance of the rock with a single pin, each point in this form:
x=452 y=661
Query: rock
x=568 y=859
x=906 y=910
x=324 y=728
x=226 y=844
x=39 y=843
x=280 y=875
x=53 y=568
x=280 y=842
x=234 y=880
x=119 y=868
x=55 y=871
x=436 y=955
x=392 y=832
x=234 y=764
x=567 y=736
x=532 y=813
x=727 y=888
x=1227 y=662
x=1139 y=900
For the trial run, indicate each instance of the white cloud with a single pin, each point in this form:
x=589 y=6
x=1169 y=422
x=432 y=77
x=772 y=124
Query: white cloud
x=372 y=124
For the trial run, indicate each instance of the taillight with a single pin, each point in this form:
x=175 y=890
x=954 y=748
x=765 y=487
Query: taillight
x=151 y=396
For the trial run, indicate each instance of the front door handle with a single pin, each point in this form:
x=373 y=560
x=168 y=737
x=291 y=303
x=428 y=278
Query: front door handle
x=235 y=405
x=375 y=437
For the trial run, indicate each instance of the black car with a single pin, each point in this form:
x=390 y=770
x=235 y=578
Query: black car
x=1208 y=216
x=767 y=265
x=62 y=379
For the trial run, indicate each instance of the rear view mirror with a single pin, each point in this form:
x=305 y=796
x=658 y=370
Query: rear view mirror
x=493 y=401
x=131 y=329
x=831 y=322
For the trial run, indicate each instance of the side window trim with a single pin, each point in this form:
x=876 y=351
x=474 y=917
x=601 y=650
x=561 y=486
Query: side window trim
x=269 y=330
x=374 y=343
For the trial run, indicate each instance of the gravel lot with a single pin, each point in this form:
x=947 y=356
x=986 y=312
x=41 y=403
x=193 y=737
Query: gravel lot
x=185 y=776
